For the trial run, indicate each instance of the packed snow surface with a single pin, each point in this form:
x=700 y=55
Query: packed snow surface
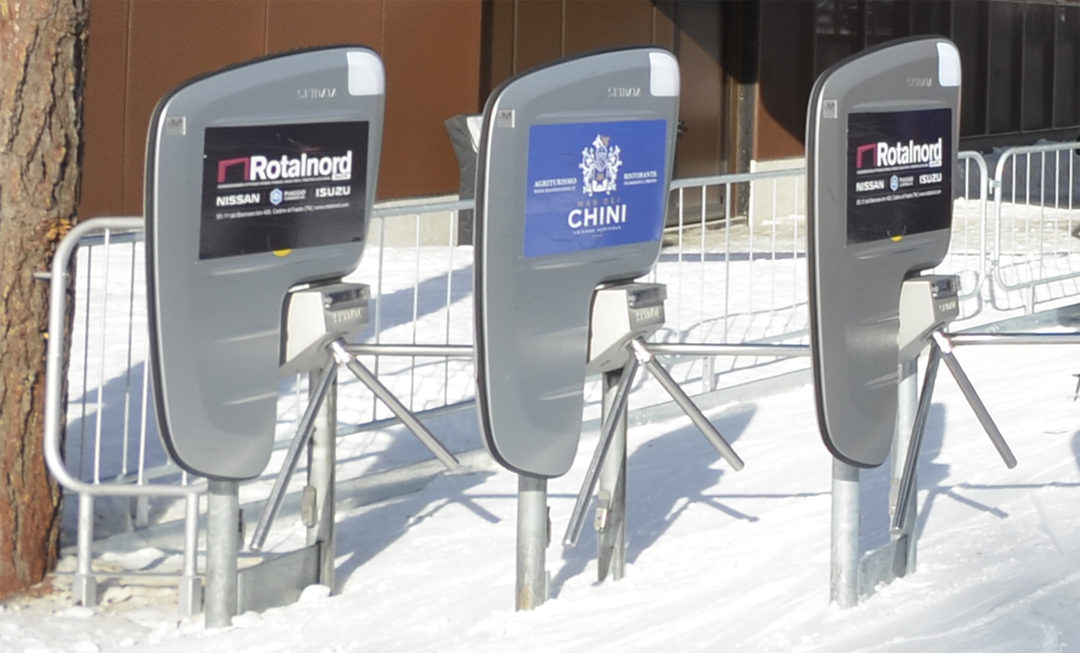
x=717 y=560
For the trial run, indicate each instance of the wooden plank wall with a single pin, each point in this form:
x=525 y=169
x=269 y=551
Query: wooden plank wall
x=140 y=49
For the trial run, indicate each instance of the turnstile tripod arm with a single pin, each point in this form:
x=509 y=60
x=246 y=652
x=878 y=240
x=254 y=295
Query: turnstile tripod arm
x=907 y=479
x=303 y=435
x=607 y=433
x=400 y=410
x=941 y=341
x=642 y=353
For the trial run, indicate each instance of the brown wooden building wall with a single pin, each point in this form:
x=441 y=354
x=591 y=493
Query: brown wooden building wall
x=443 y=57
x=747 y=68
x=140 y=49
x=521 y=34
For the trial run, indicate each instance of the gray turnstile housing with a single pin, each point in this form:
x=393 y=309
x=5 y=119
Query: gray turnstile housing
x=259 y=178
x=882 y=137
x=573 y=171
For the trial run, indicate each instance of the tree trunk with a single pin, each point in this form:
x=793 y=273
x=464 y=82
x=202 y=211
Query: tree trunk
x=41 y=76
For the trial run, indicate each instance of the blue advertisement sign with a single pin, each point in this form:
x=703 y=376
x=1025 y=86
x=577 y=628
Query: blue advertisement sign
x=593 y=185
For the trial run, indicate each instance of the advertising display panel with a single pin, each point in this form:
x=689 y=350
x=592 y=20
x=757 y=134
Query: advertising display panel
x=596 y=207
x=574 y=165
x=901 y=187
x=882 y=137
x=259 y=178
x=271 y=188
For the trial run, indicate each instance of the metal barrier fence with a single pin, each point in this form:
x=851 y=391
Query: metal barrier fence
x=734 y=265
x=1035 y=255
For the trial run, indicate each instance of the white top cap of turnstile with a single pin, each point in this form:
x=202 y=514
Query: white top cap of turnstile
x=366 y=75
x=948 y=65
x=663 y=74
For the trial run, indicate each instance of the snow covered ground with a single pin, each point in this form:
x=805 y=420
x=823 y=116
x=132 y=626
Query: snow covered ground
x=717 y=560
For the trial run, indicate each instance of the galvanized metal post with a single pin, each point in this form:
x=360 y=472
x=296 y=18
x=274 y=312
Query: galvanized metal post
x=321 y=458
x=903 y=539
x=222 y=550
x=533 y=535
x=611 y=503
x=844 y=562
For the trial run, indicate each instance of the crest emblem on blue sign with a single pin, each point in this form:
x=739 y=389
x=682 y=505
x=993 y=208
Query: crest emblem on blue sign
x=600 y=166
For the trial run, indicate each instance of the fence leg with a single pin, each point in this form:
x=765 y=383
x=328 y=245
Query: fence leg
x=844 y=573
x=190 y=602
x=142 y=512
x=85 y=587
x=708 y=373
x=222 y=549
x=532 y=540
x=611 y=505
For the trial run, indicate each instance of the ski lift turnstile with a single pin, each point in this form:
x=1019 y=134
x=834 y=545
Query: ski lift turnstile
x=572 y=180
x=882 y=135
x=260 y=181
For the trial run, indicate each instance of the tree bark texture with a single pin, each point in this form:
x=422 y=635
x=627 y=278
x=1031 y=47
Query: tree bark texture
x=41 y=73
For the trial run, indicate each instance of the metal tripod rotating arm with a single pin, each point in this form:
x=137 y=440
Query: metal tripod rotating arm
x=941 y=341
x=303 y=435
x=607 y=432
x=941 y=349
x=642 y=353
x=907 y=479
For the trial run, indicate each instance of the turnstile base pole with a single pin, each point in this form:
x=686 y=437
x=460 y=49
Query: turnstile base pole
x=844 y=559
x=222 y=550
x=533 y=532
x=611 y=503
x=321 y=459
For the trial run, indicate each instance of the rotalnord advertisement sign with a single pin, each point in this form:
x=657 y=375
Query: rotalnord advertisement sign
x=574 y=164
x=882 y=135
x=302 y=183
x=900 y=187
x=259 y=178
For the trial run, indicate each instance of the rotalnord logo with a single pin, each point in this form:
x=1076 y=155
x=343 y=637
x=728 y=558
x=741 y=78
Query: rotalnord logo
x=883 y=154
x=261 y=168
